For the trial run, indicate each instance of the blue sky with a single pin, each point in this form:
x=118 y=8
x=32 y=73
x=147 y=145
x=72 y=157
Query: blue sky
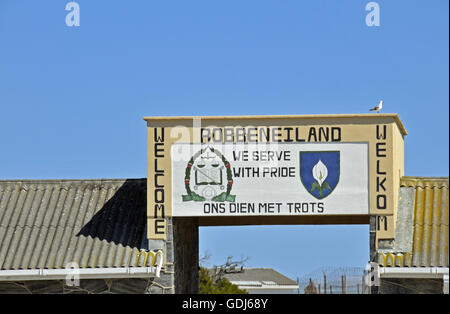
x=72 y=98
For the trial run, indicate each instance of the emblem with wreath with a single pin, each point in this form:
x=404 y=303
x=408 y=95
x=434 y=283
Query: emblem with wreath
x=205 y=177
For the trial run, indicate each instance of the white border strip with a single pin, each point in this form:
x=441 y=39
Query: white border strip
x=83 y=273
x=413 y=272
x=270 y=287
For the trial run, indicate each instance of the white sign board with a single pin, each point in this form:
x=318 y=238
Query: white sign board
x=270 y=179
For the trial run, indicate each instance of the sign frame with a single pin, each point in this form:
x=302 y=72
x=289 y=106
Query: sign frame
x=383 y=131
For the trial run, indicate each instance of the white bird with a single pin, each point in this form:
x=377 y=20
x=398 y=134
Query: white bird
x=378 y=107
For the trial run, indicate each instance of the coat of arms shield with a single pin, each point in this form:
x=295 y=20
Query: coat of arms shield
x=319 y=172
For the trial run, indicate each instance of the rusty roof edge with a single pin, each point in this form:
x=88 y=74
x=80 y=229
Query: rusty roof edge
x=425 y=178
x=440 y=182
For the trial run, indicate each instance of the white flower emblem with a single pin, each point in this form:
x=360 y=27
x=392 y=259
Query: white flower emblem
x=320 y=172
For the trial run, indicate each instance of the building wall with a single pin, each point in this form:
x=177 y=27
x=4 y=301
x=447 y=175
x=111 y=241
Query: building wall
x=410 y=286
x=86 y=286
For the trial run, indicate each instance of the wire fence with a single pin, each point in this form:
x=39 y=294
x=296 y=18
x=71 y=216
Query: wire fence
x=334 y=280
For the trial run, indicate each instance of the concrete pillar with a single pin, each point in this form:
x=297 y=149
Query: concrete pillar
x=373 y=247
x=180 y=271
x=185 y=235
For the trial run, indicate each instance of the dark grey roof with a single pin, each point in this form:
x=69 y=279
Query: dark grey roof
x=261 y=275
x=45 y=224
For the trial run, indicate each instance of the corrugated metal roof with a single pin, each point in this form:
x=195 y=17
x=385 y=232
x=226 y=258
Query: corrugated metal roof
x=260 y=275
x=45 y=224
x=429 y=225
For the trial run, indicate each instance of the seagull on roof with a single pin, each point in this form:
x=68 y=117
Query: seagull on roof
x=378 y=107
